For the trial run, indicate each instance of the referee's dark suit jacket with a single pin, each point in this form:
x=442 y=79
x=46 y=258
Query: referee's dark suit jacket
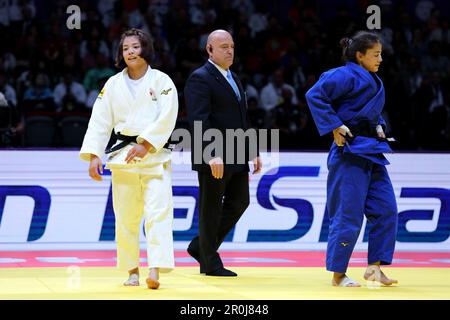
x=211 y=100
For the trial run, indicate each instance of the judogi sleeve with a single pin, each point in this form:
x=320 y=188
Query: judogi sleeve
x=331 y=86
x=100 y=125
x=159 y=132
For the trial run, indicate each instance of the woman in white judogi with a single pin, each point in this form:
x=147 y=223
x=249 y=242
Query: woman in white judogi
x=141 y=105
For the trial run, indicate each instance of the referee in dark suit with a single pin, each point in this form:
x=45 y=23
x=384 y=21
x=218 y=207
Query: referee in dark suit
x=216 y=100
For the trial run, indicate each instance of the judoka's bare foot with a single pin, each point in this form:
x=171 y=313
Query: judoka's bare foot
x=133 y=278
x=153 y=277
x=341 y=280
x=374 y=273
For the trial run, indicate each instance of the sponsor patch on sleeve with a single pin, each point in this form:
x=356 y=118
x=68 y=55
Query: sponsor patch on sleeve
x=166 y=92
x=100 y=95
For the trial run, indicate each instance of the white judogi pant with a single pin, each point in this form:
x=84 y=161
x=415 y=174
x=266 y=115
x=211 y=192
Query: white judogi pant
x=136 y=195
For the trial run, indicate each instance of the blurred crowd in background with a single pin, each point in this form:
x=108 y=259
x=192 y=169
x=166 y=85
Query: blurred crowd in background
x=50 y=76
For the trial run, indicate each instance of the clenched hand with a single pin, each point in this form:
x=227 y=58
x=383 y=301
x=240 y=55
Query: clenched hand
x=95 y=166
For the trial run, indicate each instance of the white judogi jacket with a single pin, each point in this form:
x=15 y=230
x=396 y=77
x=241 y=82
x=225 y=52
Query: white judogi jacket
x=151 y=116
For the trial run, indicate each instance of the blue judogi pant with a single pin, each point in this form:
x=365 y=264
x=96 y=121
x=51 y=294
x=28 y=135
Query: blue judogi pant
x=355 y=187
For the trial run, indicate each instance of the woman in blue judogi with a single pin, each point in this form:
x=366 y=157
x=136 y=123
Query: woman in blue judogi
x=348 y=102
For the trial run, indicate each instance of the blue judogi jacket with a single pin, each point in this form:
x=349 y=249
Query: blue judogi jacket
x=350 y=95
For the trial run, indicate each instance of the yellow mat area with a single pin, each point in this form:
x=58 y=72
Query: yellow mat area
x=184 y=283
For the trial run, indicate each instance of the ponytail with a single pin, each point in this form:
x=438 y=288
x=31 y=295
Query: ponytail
x=361 y=41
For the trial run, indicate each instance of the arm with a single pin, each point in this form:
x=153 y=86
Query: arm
x=198 y=101
x=198 y=98
x=98 y=133
x=156 y=134
x=198 y=104
x=100 y=126
x=331 y=86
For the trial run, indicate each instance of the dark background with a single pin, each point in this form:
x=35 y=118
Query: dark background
x=51 y=75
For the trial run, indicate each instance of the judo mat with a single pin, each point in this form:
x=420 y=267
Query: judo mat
x=268 y=275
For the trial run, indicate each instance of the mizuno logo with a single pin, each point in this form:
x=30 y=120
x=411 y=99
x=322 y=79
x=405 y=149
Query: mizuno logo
x=166 y=92
x=344 y=244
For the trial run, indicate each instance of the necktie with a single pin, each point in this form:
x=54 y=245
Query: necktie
x=233 y=84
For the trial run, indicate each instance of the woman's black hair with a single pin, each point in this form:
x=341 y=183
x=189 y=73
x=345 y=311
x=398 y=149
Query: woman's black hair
x=361 y=41
x=146 y=42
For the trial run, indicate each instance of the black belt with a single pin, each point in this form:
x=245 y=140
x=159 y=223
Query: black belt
x=367 y=131
x=126 y=140
x=363 y=129
x=350 y=139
